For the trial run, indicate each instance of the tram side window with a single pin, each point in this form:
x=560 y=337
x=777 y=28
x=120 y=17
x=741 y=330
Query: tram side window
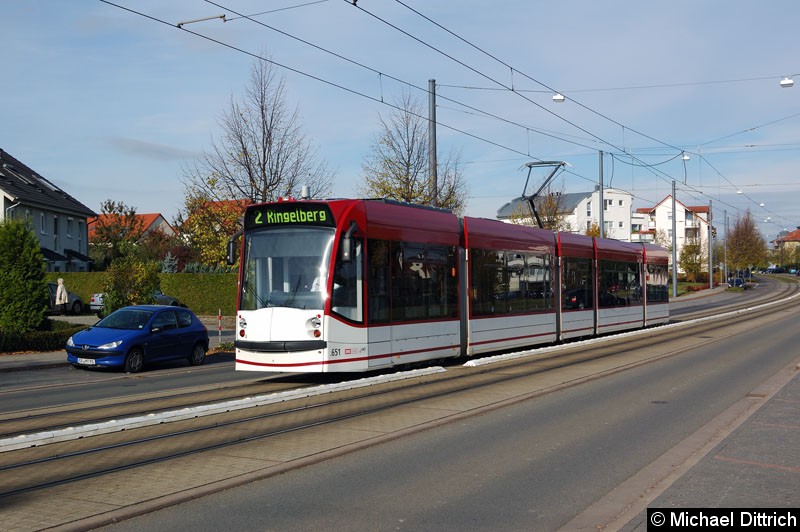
x=576 y=284
x=509 y=282
x=347 y=285
x=536 y=282
x=423 y=280
x=620 y=284
x=488 y=282
x=411 y=281
x=657 y=283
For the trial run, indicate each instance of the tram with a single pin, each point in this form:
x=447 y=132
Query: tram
x=352 y=285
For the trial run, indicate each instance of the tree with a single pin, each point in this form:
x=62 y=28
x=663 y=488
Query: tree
x=208 y=226
x=550 y=209
x=397 y=166
x=262 y=154
x=23 y=291
x=156 y=245
x=746 y=246
x=693 y=258
x=661 y=238
x=116 y=232
x=130 y=281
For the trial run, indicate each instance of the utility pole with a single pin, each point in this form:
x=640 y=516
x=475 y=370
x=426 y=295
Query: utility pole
x=434 y=180
x=602 y=201
x=710 y=247
x=674 y=247
x=726 y=245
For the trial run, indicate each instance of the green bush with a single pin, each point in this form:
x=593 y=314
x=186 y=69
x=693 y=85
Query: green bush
x=23 y=292
x=129 y=281
x=52 y=337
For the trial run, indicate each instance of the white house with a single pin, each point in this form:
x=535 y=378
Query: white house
x=581 y=210
x=691 y=224
x=647 y=224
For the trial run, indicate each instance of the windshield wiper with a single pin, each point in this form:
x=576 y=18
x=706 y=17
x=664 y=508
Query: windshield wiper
x=262 y=303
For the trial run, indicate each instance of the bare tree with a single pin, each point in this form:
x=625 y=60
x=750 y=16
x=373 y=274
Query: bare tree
x=263 y=153
x=397 y=165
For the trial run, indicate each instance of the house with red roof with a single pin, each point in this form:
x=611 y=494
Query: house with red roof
x=150 y=222
x=691 y=224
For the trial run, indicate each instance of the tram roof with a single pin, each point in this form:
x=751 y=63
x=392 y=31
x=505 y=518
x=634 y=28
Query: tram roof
x=494 y=234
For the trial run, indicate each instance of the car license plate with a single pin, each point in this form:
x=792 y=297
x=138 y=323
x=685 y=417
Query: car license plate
x=86 y=361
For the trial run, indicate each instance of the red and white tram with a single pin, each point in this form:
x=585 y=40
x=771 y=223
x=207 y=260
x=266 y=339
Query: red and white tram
x=356 y=285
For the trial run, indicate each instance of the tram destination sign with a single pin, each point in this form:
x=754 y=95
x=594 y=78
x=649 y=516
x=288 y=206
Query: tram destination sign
x=288 y=213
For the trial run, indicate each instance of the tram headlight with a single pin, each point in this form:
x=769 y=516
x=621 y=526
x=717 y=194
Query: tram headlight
x=242 y=326
x=315 y=323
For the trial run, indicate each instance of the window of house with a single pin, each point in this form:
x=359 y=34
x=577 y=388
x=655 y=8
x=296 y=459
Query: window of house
x=622 y=224
x=621 y=202
x=42 y=223
x=55 y=233
x=70 y=228
x=80 y=235
x=588 y=208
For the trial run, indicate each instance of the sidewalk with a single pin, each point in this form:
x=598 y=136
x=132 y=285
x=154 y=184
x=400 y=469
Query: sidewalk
x=756 y=466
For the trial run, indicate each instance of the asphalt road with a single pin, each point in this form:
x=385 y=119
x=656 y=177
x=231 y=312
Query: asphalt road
x=532 y=466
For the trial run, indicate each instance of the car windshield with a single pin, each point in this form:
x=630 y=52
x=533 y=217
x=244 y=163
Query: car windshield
x=127 y=319
x=286 y=267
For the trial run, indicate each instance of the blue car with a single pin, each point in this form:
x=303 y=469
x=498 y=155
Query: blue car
x=134 y=336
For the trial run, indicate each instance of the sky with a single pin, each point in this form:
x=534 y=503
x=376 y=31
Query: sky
x=112 y=100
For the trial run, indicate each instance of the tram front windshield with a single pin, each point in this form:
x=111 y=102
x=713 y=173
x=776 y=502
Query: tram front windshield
x=286 y=267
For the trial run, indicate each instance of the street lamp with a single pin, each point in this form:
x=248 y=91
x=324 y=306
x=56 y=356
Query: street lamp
x=558 y=97
x=787 y=82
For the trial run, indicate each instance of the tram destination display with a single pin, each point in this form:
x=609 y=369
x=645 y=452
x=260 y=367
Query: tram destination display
x=288 y=213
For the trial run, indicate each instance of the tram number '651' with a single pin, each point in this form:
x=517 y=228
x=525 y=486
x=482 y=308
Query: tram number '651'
x=336 y=352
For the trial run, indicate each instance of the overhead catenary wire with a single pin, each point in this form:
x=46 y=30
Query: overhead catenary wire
x=359 y=93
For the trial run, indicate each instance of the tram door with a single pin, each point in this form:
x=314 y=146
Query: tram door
x=379 y=331
x=349 y=338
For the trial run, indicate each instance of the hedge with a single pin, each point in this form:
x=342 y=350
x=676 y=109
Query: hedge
x=205 y=293
x=51 y=340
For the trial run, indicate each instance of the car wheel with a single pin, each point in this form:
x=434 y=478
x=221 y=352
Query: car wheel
x=198 y=355
x=77 y=308
x=134 y=361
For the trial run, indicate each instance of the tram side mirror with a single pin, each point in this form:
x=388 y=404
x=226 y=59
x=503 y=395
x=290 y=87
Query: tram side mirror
x=347 y=249
x=346 y=246
x=230 y=255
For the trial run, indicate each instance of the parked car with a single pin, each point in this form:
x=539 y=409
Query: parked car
x=75 y=305
x=134 y=336
x=96 y=302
